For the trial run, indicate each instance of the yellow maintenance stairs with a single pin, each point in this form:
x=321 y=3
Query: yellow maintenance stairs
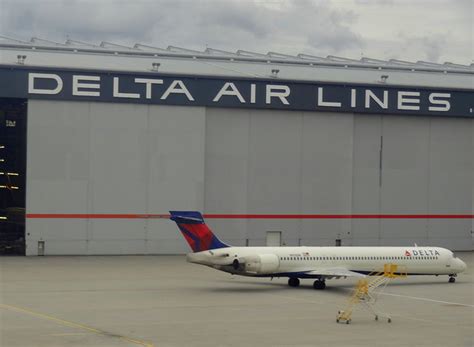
x=368 y=290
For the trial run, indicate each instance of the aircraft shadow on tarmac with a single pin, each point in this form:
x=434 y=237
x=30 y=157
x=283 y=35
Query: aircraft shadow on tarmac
x=342 y=289
x=274 y=288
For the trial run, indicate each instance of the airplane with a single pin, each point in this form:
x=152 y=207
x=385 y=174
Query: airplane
x=319 y=263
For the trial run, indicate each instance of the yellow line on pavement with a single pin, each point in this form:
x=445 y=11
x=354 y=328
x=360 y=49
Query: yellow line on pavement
x=430 y=300
x=69 y=334
x=74 y=325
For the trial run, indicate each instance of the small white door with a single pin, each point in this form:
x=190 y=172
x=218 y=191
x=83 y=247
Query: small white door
x=273 y=238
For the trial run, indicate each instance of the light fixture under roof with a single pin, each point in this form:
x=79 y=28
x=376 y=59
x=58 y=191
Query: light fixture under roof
x=21 y=59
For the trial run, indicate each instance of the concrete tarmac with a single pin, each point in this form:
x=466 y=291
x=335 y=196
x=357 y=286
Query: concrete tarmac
x=164 y=301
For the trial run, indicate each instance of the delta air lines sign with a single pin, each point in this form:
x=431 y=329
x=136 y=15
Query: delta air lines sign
x=232 y=92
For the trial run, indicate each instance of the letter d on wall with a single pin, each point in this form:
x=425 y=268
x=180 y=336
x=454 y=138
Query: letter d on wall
x=34 y=76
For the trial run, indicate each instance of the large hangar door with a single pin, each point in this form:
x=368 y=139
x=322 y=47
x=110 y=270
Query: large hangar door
x=12 y=175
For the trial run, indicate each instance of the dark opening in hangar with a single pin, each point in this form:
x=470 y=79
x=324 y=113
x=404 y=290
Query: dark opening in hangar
x=12 y=175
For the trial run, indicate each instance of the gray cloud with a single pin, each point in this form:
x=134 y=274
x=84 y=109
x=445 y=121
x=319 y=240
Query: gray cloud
x=229 y=24
x=433 y=46
x=307 y=26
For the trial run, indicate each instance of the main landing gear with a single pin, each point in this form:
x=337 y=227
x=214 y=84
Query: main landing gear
x=319 y=284
x=293 y=282
x=452 y=278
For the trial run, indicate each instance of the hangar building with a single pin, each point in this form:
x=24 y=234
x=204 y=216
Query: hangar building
x=100 y=141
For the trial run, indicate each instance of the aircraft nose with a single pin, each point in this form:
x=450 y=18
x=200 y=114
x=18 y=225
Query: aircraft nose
x=463 y=265
x=460 y=266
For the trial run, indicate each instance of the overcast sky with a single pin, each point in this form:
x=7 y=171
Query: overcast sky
x=413 y=30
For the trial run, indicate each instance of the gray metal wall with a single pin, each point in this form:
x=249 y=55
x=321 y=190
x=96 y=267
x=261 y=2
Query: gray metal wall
x=303 y=163
x=95 y=158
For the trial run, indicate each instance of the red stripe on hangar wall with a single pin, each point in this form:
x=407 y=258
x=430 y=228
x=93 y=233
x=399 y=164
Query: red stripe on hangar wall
x=250 y=216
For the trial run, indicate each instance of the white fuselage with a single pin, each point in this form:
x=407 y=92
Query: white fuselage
x=304 y=262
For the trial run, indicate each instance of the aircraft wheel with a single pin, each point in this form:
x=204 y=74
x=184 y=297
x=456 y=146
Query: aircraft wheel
x=390 y=320
x=452 y=280
x=293 y=282
x=319 y=284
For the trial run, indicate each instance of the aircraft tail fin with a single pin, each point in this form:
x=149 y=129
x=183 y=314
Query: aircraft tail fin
x=195 y=231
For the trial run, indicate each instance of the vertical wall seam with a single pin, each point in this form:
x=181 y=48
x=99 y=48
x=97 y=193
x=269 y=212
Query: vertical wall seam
x=428 y=182
x=472 y=183
x=247 y=202
x=148 y=174
x=25 y=179
x=380 y=179
x=202 y=193
x=89 y=203
x=351 y=230
x=205 y=159
x=300 y=200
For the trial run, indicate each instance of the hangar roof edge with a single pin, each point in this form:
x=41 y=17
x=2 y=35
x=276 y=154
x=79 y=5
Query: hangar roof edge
x=143 y=50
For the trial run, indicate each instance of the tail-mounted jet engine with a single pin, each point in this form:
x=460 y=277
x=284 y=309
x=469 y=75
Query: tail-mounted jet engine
x=257 y=264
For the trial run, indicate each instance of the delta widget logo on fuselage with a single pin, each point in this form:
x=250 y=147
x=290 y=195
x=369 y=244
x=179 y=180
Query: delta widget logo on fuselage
x=422 y=253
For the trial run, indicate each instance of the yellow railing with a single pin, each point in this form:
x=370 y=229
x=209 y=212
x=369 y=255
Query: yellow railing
x=365 y=291
x=394 y=271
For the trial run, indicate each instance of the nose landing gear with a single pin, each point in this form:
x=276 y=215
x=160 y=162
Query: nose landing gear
x=452 y=278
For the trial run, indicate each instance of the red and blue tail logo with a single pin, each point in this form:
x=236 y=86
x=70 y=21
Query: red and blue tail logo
x=195 y=231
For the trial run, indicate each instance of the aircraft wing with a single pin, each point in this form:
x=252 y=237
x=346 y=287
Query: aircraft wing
x=334 y=272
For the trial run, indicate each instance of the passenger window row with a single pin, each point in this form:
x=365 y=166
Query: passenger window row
x=358 y=258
